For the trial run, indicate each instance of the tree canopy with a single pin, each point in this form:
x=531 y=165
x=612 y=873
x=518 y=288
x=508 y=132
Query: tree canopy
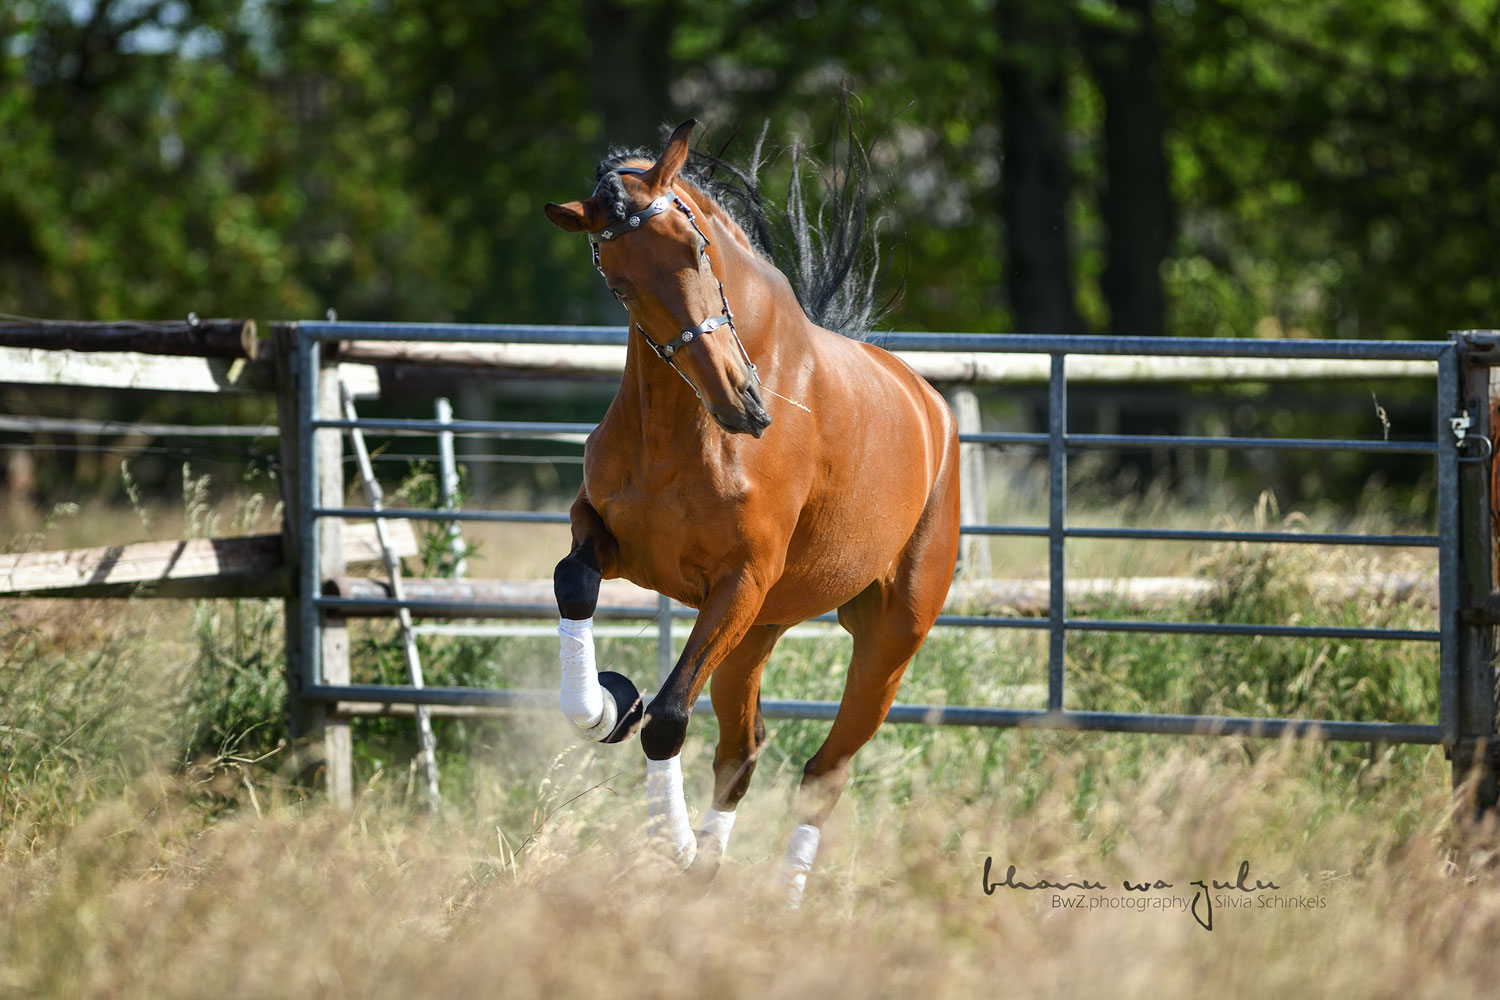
x=1193 y=167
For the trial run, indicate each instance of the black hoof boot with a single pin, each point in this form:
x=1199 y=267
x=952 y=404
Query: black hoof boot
x=628 y=707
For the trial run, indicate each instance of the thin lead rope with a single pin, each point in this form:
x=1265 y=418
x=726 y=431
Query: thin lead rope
x=787 y=398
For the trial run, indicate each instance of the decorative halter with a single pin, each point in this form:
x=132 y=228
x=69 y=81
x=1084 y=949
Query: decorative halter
x=630 y=224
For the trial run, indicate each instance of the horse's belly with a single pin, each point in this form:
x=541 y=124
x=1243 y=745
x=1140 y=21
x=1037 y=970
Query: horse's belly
x=834 y=560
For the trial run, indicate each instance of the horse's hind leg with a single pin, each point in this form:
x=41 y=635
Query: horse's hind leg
x=888 y=621
x=735 y=690
x=884 y=644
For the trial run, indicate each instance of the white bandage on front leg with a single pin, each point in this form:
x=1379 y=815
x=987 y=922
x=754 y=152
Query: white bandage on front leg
x=666 y=809
x=582 y=700
x=798 y=862
x=715 y=829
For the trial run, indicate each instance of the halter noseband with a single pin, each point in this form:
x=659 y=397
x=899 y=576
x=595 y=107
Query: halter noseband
x=630 y=224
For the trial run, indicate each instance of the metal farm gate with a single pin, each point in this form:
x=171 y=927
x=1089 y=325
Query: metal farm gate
x=1460 y=448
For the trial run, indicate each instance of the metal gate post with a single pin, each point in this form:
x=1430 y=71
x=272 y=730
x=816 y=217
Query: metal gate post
x=1057 y=506
x=1474 y=756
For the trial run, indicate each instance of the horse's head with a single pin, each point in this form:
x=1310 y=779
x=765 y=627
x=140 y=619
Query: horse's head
x=665 y=273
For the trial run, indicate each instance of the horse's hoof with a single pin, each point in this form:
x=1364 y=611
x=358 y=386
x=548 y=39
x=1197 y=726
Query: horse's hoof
x=629 y=710
x=707 y=861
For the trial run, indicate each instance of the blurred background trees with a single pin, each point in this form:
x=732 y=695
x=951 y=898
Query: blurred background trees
x=1217 y=167
x=1150 y=167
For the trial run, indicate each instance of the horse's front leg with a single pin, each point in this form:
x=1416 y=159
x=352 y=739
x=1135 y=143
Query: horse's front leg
x=722 y=623
x=604 y=706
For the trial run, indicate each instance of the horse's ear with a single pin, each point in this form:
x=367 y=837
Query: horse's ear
x=574 y=216
x=664 y=171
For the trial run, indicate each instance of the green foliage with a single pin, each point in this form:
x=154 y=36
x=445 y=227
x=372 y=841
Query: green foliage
x=1330 y=166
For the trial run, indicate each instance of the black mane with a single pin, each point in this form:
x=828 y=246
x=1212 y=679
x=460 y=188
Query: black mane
x=610 y=188
x=831 y=256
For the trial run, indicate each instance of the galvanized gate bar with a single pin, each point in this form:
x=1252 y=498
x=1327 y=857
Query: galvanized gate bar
x=1190 y=347
x=1227 y=628
x=543 y=431
x=1448 y=568
x=1021 y=530
x=1215 y=535
x=1124 y=441
x=934 y=715
x=372 y=606
x=425 y=514
x=1058 y=442
x=986 y=343
x=306 y=363
x=1057 y=516
x=466 y=333
x=426 y=428
x=1029 y=530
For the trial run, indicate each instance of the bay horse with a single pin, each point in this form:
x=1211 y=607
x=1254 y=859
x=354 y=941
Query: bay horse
x=841 y=493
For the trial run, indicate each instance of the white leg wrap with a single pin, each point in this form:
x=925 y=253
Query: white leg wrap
x=717 y=825
x=582 y=699
x=798 y=862
x=666 y=809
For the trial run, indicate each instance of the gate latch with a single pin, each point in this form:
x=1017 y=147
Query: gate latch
x=1460 y=425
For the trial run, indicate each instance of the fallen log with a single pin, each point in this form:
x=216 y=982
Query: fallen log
x=207 y=338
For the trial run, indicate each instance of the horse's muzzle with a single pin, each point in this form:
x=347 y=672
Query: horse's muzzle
x=749 y=418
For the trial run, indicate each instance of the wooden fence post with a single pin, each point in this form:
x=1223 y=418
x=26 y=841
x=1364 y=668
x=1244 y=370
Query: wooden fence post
x=323 y=740
x=973 y=502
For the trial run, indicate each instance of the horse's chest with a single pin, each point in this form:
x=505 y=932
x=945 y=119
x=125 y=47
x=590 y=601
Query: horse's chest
x=671 y=529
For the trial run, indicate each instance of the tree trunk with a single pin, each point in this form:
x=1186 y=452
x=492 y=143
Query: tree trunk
x=630 y=77
x=1125 y=60
x=1034 y=177
x=631 y=69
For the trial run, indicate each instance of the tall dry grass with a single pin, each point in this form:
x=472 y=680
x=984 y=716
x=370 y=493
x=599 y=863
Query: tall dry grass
x=150 y=845
x=147 y=896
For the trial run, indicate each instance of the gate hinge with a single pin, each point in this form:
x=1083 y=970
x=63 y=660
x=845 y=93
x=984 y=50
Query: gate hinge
x=1478 y=750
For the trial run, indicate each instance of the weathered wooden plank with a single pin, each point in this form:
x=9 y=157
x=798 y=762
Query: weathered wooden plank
x=71 y=425
x=248 y=566
x=131 y=370
x=208 y=338
x=338 y=741
x=142 y=562
x=973 y=490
